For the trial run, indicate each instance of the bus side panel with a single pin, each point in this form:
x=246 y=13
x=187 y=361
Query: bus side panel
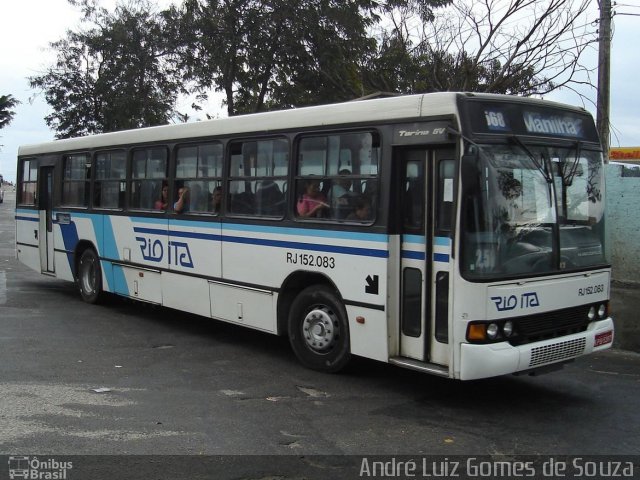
x=140 y=241
x=69 y=228
x=63 y=257
x=356 y=263
x=194 y=257
x=141 y=284
x=251 y=307
x=368 y=339
x=27 y=226
x=189 y=294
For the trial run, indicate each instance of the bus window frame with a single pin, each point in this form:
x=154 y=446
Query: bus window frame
x=299 y=180
x=22 y=182
x=87 y=181
x=228 y=178
x=130 y=178
x=95 y=180
x=176 y=182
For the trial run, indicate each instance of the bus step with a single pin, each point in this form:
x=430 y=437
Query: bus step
x=424 y=367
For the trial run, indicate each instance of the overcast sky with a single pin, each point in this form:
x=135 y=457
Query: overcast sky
x=28 y=26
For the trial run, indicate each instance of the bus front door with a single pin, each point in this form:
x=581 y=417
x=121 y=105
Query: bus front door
x=45 y=208
x=427 y=192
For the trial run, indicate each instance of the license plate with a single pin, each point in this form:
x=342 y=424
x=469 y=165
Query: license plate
x=603 y=339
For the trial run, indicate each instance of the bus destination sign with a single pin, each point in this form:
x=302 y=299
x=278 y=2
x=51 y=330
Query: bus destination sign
x=537 y=123
x=550 y=124
x=515 y=119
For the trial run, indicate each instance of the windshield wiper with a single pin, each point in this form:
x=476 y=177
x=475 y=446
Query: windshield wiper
x=540 y=165
x=567 y=177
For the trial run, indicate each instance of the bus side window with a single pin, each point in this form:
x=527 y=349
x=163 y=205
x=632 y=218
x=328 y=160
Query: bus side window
x=29 y=181
x=199 y=170
x=149 y=174
x=257 y=177
x=109 y=185
x=334 y=174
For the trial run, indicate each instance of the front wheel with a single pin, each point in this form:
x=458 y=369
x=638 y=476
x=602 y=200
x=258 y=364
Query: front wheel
x=90 y=276
x=318 y=329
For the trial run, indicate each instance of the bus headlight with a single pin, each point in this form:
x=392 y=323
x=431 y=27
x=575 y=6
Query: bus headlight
x=492 y=331
x=602 y=310
x=592 y=313
x=507 y=329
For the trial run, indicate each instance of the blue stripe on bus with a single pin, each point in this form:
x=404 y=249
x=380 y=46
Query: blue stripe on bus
x=442 y=241
x=116 y=280
x=441 y=257
x=28 y=219
x=69 y=236
x=413 y=239
x=119 y=281
x=365 y=252
x=368 y=237
x=110 y=246
x=413 y=255
x=437 y=257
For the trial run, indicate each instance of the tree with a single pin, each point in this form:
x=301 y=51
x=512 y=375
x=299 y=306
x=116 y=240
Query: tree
x=524 y=47
x=7 y=103
x=268 y=54
x=265 y=54
x=112 y=75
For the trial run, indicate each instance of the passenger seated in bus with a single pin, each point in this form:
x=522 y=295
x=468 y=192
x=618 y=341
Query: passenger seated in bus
x=163 y=202
x=215 y=200
x=341 y=196
x=361 y=211
x=313 y=202
x=182 y=204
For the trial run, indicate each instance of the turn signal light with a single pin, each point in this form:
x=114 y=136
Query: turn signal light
x=477 y=331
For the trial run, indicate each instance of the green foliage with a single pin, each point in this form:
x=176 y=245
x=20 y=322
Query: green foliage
x=7 y=103
x=111 y=76
x=266 y=54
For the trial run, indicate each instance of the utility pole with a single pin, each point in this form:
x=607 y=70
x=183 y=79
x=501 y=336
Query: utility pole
x=604 y=75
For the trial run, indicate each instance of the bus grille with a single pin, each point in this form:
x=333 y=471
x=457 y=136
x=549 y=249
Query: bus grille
x=557 y=352
x=548 y=325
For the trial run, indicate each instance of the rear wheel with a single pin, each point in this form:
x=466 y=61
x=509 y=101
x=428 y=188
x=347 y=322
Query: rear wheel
x=318 y=329
x=89 y=276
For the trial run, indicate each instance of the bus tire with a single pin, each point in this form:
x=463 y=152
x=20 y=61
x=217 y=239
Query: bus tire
x=318 y=329
x=90 y=276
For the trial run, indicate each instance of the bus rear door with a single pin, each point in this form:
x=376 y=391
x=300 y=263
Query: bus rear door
x=45 y=210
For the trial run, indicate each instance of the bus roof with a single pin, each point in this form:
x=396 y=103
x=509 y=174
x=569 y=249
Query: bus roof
x=376 y=110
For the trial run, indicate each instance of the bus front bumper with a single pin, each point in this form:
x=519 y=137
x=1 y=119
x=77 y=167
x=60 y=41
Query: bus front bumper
x=483 y=361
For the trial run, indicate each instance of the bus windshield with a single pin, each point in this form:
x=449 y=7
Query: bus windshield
x=532 y=209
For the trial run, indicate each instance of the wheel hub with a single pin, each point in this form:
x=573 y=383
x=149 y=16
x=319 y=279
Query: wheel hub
x=320 y=329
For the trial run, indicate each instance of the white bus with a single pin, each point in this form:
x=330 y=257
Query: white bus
x=456 y=234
